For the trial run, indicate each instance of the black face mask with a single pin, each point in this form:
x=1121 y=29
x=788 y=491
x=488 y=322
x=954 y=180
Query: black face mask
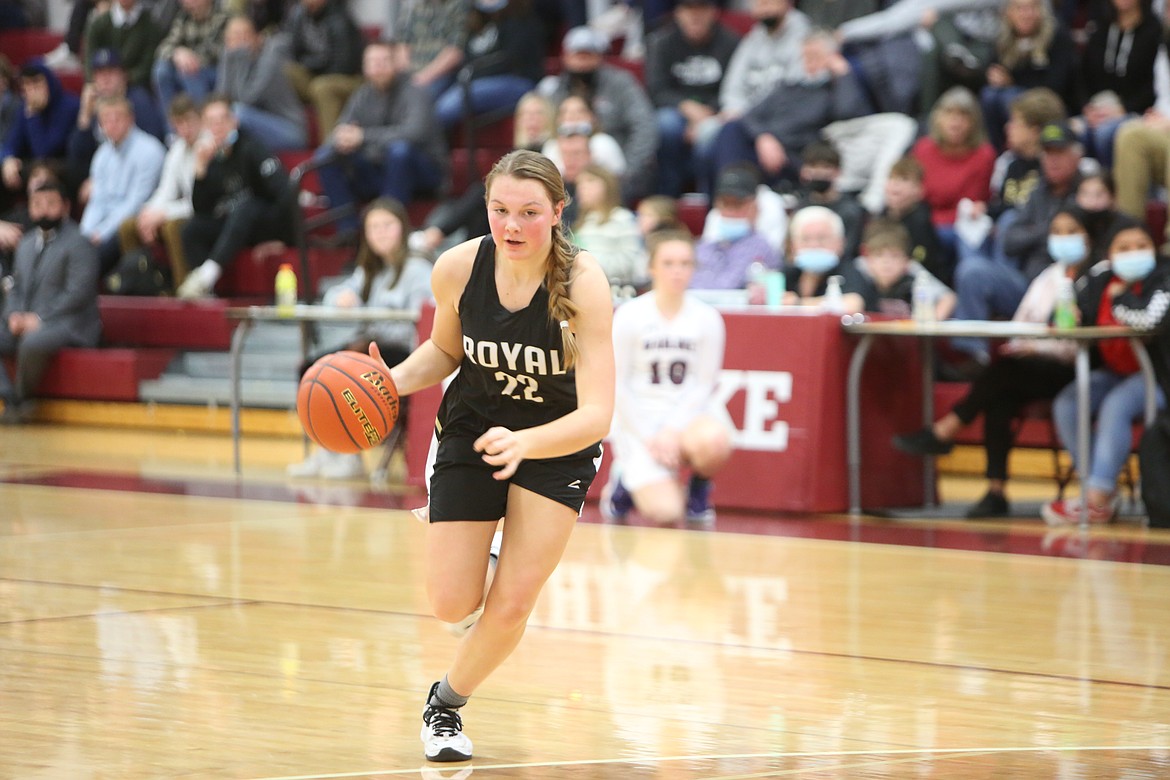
x=46 y=223
x=819 y=186
x=586 y=77
x=1097 y=222
x=771 y=22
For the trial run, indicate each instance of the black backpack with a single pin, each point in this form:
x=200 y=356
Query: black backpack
x=138 y=274
x=1154 y=455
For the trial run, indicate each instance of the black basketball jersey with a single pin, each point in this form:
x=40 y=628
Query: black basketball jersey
x=512 y=373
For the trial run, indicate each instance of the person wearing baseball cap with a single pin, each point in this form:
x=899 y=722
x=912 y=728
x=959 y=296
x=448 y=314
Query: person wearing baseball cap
x=993 y=286
x=726 y=254
x=1024 y=240
x=618 y=99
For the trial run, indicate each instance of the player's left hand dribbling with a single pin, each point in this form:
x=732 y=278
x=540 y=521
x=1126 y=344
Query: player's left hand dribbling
x=376 y=354
x=501 y=447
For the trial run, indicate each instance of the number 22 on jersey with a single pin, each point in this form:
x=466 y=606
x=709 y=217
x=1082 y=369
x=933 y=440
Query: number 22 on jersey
x=519 y=386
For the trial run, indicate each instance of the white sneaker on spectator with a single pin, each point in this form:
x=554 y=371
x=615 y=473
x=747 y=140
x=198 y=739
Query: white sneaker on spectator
x=61 y=58
x=199 y=283
x=338 y=466
x=310 y=466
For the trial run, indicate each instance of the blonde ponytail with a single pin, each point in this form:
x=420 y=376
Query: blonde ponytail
x=560 y=308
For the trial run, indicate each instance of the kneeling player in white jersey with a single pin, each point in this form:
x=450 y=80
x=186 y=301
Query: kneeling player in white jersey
x=668 y=352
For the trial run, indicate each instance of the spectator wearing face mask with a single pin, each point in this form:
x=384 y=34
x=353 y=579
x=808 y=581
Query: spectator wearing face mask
x=616 y=98
x=768 y=55
x=1117 y=395
x=771 y=220
x=725 y=260
x=816 y=238
x=820 y=168
x=575 y=117
x=1025 y=370
x=53 y=303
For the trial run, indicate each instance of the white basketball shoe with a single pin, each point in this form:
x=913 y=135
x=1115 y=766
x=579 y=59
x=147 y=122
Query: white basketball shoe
x=442 y=733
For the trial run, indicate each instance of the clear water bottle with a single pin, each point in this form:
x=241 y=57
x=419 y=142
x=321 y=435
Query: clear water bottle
x=755 y=283
x=1064 y=314
x=286 y=290
x=922 y=299
x=833 y=302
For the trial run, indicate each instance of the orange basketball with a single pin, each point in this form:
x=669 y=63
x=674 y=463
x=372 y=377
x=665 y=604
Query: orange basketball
x=347 y=402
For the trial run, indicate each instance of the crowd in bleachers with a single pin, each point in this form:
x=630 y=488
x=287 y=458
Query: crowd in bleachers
x=907 y=140
x=965 y=90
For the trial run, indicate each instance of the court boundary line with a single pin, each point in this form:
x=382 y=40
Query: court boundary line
x=891 y=752
x=248 y=602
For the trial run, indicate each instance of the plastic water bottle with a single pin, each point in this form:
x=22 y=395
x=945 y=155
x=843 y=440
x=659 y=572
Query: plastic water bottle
x=286 y=290
x=1064 y=314
x=922 y=300
x=833 y=302
x=755 y=283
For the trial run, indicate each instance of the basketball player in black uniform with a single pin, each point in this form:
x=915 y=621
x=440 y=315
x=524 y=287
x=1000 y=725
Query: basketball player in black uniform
x=526 y=319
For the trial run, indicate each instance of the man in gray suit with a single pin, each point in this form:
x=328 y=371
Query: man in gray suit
x=53 y=301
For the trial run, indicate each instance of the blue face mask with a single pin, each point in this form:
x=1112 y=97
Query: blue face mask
x=730 y=229
x=817 y=261
x=1067 y=250
x=1132 y=266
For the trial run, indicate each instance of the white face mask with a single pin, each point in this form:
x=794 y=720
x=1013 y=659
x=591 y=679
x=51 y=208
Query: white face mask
x=732 y=229
x=817 y=261
x=1132 y=266
x=1067 y=250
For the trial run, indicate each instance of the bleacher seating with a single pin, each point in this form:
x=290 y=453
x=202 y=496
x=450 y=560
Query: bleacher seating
x=20 y=46
x=131 y=321
x=104 y=374
x=143 y=335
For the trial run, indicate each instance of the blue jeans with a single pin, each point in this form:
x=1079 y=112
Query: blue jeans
x=996 y=103
x=277 y=133
x=679 y=160
x=401 y=172
x=734 y=144
x=487 y=94
x=168 y=82
x=986 y=288
x=674 y=159
x=1116 y=402
x=1098 y=141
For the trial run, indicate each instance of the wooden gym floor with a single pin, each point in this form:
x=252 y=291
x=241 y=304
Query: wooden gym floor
x=159 y=619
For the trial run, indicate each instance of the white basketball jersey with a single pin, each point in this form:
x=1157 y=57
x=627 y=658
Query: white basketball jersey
x=667 y=369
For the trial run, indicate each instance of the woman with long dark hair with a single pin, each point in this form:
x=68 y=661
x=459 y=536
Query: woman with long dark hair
x=1026 y=370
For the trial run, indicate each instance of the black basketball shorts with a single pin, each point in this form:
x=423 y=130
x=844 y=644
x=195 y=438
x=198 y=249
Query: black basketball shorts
x=462 y=486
